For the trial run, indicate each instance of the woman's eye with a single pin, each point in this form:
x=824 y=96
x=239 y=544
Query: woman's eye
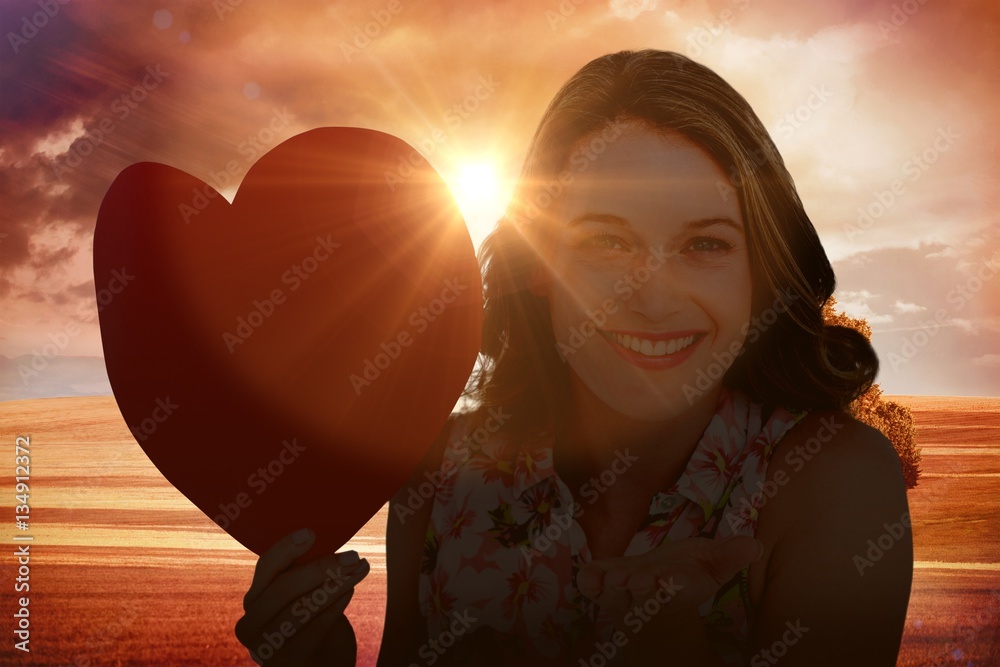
x=708 y=244
x=605 y=242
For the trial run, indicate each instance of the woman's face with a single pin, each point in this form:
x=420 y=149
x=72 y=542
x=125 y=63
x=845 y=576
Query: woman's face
x=651 y=280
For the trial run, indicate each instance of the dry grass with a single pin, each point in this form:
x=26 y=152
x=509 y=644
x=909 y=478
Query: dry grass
x=125 y=571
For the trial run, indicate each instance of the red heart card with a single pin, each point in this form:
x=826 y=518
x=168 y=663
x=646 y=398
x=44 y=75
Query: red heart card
x=286 y=360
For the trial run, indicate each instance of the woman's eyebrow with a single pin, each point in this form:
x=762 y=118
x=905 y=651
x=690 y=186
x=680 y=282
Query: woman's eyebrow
x=608 y=218
x=612 y=219
x=708 y=222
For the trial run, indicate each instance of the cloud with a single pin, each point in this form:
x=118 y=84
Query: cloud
x=968 y=326
x=990 y=360
x=946 y=309
x=630 y=9
x=887 y=99
x=904 y=307
x=856 y=304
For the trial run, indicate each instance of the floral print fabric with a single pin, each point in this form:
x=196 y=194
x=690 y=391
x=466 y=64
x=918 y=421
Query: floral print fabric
x=502 y=546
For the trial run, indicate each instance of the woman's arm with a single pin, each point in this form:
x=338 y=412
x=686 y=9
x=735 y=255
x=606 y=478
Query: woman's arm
x=839 y=573
x=405 y=629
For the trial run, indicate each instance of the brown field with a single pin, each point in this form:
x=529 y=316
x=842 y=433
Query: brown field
x=125 y=571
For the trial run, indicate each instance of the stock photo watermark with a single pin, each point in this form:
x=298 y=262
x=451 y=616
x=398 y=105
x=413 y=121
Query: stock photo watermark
x=30 y=25
x=958 y=296
x=122 y=107
x=779 y=648
x=223 y=7
x=433 y=649
x=635 y=620
x=363 y=36
x=795 y=119
x=453 y=118
x=625 y=286
x=913 y=168
x=789 y=124
x=752 y=330
x=796 y=458
x=563 y=11
x=878 y=547
x=711 y=29
x=543 y=539
x=420 y=319
x=416 y=497
x=60 y=339
x=899 y=16
x=580 y=159
x=307 y=606
x=262 y=309
x=252 y=147
x=147 y=427
x=259 y=480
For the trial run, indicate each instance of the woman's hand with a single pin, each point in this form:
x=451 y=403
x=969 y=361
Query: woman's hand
x=295 y=615
x=680 y=576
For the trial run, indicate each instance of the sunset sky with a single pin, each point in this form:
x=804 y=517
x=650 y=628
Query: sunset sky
x=856 y=94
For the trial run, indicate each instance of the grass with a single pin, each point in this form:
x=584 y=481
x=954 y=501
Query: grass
x=125 y=571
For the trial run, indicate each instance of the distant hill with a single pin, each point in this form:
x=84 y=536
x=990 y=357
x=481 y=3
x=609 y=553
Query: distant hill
x=28 y=376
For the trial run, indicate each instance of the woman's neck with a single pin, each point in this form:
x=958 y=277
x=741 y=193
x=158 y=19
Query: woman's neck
x=596 y=436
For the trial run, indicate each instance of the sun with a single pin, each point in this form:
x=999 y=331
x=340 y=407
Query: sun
x=481 y=196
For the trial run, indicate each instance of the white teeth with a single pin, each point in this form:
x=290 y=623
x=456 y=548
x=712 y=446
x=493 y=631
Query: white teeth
x=658 y=349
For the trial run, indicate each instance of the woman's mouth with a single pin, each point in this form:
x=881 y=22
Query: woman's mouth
x=654 y=350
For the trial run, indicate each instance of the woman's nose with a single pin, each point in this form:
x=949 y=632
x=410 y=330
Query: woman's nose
x=661 y=286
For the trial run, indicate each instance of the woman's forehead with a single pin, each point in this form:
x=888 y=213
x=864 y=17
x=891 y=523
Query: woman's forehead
x=641 y=150
x=647 y=175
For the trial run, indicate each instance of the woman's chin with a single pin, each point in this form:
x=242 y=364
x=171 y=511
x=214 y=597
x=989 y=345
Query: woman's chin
x=635 y=393
x=650 y=404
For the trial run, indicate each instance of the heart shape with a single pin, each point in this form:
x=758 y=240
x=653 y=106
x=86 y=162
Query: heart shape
x=286 y=360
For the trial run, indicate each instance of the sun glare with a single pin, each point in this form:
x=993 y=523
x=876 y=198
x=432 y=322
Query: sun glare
x=481 y=197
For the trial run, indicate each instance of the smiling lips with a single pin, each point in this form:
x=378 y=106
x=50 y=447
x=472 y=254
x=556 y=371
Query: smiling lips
x=655 y=345
x=653 y=350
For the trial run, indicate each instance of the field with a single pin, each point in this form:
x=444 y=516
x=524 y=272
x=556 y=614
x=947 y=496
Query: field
x=125 y=571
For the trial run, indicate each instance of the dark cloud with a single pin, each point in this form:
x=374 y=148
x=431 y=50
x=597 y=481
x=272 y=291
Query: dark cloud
x=311 y=60
x=58 y=73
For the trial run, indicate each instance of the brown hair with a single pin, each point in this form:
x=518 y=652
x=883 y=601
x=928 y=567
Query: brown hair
x=797 y=362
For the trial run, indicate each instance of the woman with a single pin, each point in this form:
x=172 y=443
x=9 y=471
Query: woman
x=661 y=468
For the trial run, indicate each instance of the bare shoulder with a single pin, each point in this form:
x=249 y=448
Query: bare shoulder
x=832 y=450
x=839 y=552
x=831 y=475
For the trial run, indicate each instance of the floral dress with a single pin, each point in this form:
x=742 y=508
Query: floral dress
x=503 y=548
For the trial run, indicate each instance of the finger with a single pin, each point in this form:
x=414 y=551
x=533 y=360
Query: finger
x=326 y=574
x=731 y=555
x=302 y=647
x=642 y=583
x=275 y=560
x=691 y=581
x=340 y=647
x=291 y=644
x=295 y=616
x=605 y=582
x=690 y=570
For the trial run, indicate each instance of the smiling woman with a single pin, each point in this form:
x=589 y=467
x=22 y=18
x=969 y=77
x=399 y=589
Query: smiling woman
x=649 y=192
x=653 y=328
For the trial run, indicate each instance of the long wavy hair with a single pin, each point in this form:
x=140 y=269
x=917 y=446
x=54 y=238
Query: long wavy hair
x=797 y=362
